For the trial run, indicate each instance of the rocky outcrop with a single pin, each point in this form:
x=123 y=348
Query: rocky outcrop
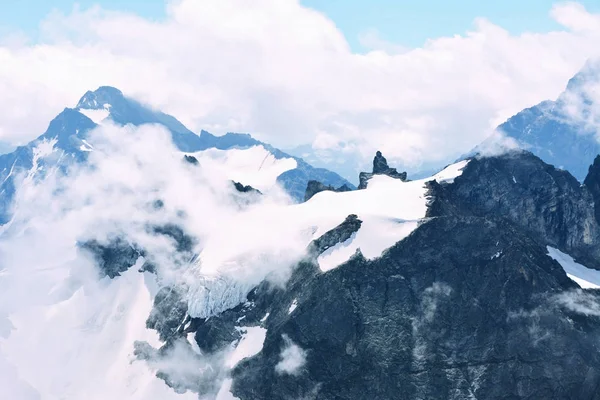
x=465 y=307
x=547 y=203
x=114 y=257
x=337 y=235
x=314 y=187
x=469 y=305
x=245 y=188
x=380 y=167
x=168 y=313
x=117 y=255
x=191 y=159
x=592 y=182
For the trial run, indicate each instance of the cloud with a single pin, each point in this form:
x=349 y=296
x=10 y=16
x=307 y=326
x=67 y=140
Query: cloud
x=286 y=73
x=371 y=40
x=495 y=144
x=574 y=16
x=580 y=103
x=581 y=302
x=91 y=324
x=292 y=358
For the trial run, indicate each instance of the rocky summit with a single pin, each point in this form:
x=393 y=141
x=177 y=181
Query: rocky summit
x=469 y=305
x=380 y=167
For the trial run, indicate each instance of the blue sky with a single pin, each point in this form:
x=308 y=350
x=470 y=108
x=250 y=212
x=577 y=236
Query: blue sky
x=405 y=22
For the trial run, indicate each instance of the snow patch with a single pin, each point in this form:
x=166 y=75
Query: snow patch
x=225 y=391
x=192 y=341
x=97 y=116
x=293 y=306
x=451 y=172
x=585 y=277
x=250 y=344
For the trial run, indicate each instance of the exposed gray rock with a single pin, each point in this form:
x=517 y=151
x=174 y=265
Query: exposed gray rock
x=114 y=257
x=245 y=188
x=380 y=167
x=339 y=234
x=462 y=308
x=168 y=313
x=191 y=159
x=547 y=203
x=467 y=306
x=314 y=187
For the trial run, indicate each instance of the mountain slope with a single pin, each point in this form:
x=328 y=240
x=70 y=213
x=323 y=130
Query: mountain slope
x=564 y=132
x=468 y=305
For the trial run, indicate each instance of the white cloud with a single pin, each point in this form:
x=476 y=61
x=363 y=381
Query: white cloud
x=371 y=40
x=292 y=358
x=286 y=73
x=90 y=324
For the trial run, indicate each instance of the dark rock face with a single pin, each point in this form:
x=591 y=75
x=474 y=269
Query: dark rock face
x=462 y=308
x=339 y=234
x=547 y=203
x=592 y=182
x=168 y=313
x=467 y=306
x=184 y=243
x=313 y=187
x=191 y=159
x=113 y=258
x=118 y=255
x=380 y=167
x=245 y=188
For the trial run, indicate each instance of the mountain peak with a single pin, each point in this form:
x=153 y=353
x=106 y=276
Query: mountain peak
x=380 y=167
x=101 y=98
x=588 y=74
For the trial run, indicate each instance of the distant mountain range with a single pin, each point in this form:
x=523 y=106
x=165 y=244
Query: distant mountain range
x=565 y=132
x=68 y=133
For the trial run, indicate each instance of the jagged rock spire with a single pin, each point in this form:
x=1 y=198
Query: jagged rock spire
x=380 y=167
x=380 y=164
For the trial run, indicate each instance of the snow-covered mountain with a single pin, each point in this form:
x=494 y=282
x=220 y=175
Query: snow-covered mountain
x=146 y=262
x=565 y=132
x=65 y=141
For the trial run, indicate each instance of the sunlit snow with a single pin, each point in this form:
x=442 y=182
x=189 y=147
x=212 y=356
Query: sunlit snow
x=97 y=116
x=586 y=278
x=84 y=345
x=250 y=344
x=293 y=306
